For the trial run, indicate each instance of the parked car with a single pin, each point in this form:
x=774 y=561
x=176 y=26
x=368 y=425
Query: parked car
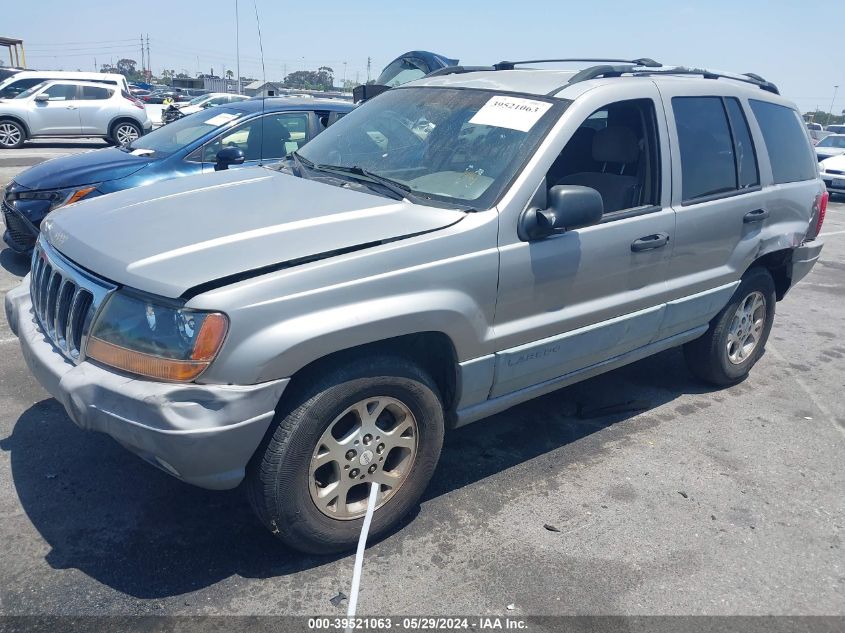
x=833 y=174
x=159 y=97
x=835 y=129
x=72 y=109
x=817 y=132
x=210 y=100
x=24 y=80
x=831 y=145
x=247 y=134
x=139 y=92
x=8 y=71
x=315 y=327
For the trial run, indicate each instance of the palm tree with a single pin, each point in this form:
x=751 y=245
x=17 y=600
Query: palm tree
x=229 y=74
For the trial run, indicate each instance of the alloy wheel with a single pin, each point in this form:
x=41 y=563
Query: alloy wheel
x=125 y=134
x=746 y=327
x=10 y=134
x=372 y=442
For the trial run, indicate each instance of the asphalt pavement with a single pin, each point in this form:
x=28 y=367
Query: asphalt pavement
x=638 y=492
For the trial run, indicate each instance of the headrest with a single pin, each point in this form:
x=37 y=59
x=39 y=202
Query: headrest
x=615 y=145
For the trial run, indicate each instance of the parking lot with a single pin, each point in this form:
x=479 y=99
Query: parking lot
x=638 y=492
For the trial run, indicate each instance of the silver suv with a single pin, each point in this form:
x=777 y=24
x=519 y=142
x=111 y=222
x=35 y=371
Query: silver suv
x=446 y=251
x=64 y=108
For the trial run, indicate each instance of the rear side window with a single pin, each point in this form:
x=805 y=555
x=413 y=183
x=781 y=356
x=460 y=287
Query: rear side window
x=707 y=153
x=746 y=159
x=787 y=143
x=90 y=93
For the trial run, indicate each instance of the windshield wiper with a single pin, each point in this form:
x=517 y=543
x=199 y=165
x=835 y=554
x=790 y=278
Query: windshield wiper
x=398 y=189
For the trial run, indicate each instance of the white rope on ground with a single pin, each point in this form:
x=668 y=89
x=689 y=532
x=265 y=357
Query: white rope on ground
x=359 y=555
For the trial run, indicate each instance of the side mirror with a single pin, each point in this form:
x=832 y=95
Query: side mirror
x=570 y=207
x=42 y=98
x=227 y=157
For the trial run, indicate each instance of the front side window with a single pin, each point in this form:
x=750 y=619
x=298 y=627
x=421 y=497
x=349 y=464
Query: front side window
x=706 y=147
x=455 y=146
x=615 y=152
x=61 y=92
x=789 y=148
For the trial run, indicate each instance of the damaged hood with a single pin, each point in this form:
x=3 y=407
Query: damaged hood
x=178 y=234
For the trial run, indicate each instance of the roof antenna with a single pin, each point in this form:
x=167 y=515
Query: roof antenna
x=263 y=80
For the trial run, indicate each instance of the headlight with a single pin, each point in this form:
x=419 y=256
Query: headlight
x=58 y=198
x=150 y=338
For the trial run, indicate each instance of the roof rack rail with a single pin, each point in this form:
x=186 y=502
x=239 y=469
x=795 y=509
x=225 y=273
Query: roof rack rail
x=455 y=70
x=605 y=70
x=641 y=61
x=748 y=78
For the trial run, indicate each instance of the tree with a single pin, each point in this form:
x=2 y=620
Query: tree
x=127 y=68
x=321 y=79
x=229 y=74
x=349 y=85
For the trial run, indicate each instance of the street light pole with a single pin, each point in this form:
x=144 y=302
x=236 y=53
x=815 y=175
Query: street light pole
x=238 y=46
x=830 y=112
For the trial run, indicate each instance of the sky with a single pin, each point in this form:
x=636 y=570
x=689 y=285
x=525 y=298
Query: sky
x=783 y=41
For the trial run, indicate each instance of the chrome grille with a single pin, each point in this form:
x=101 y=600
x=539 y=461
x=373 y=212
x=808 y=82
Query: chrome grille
x=65 y=299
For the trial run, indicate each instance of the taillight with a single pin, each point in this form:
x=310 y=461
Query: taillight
x=819 y=211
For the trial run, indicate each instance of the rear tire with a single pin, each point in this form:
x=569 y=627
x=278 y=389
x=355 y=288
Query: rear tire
x=364 y=422
x=124 y=132
x=737 y=336
x=12 y=134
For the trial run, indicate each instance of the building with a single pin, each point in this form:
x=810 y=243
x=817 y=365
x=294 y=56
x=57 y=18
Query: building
x=263 y=89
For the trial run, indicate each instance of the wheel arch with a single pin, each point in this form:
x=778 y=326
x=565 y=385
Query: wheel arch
x=123 y=118
x=19 y=121
x=433 y=351
x=779 y=265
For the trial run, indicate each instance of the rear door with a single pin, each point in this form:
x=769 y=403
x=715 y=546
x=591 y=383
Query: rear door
x=721 y=193
x=96 y=109
x=59 y=115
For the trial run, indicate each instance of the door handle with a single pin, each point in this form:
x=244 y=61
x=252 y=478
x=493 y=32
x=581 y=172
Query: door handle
x=758 y=215
x=650 y=242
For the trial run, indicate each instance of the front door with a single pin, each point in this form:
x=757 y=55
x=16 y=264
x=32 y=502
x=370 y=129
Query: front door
x=59 y=115
x=264 y=139
x=584 y=296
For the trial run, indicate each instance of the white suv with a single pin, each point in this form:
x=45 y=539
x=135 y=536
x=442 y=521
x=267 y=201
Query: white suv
x=72 y=109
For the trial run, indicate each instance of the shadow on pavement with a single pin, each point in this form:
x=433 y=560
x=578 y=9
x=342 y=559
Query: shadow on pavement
x=143 y=533
x=15 y=263
x=93 y=143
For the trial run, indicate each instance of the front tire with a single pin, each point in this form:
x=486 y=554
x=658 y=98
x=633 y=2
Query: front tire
x=377 y=421
x=737 y=336
x=12 y=134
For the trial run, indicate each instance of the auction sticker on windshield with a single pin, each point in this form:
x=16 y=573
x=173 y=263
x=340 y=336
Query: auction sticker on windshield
x=513 y=113
x=220 y=119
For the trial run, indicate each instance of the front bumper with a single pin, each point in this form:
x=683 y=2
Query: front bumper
x=202 y=434
x=803 y=259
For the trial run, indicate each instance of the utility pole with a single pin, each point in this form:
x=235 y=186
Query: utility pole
x=238 y=46
x=143 y=65
x=344 y=73
x=369 y=62
x=95 y=65
x=149 y=65
x=830 y=112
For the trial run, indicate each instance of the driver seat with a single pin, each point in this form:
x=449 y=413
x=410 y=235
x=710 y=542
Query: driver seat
x=618 y=147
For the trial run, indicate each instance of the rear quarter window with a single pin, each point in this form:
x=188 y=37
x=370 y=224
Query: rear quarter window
x=786 y=141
